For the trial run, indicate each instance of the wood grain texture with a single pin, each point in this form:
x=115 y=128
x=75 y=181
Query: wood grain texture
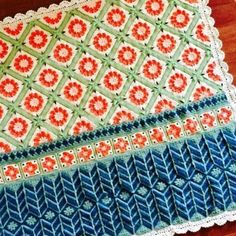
x=224 y=13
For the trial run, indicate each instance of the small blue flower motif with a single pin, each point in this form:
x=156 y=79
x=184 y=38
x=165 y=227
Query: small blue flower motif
x=197 y=178
x=179 y=182
x=69 y=211
x=233 y=168
x=50 y=215
x=216 y=172
x=87 y=205
x=124 y=195
x=106 y=200
x=31 y=221
x=12 y=226
x=142 y=191
x=161 y=186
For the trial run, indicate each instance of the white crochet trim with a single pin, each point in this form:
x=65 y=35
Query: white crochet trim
x=229 y=89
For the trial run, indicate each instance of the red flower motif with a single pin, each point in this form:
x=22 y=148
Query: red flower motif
x=225 y=115
x=4 y=147
x=121 y=145
x=58 y=116
x=157 y=135
x=53 y=20
x=77 y=28
x=211 y=72
x=122 y=116
x=208 y=120
x=129 y=1
x=154 y=7
x=49 y=163
x=103 y=148
x=73 y=91
x=85 y=154
x=23 y=63
x=33 y=102
x=18 y=127
x=141 y=31
x=98 y=105
x=191 y=56
x=116 y=17
x=48 y=77
x=102 y=42
x=9 y=88
x=200 y=33
x=30 y=168
x=82 y=126
x=14 y=30
x=67 y=159
x=92 y=7
x=1 y=112
x=180 y=18
x=164 y=105
x=202 y=92
x=139 y=140
x=177 y=83
x=63 y=53
x=166 y=43
x=3 y=49
x=127 y=55
x=88 y=66
x=42 y=137
x=12 y=172
x=152 y=69
x=113 y=80
x=138 y=95
x=191 y=126
x=38 y=39
x=174 y=131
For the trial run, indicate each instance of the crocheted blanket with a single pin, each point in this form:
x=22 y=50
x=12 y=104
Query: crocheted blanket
x=116 y=118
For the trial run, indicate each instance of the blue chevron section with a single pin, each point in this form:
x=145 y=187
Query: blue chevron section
x=137 y=192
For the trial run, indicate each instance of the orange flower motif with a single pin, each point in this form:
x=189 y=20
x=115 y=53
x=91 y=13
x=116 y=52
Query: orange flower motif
x=164 y=105
x=127 y=55
x=116 y=17
x=152 y=69
x=211 y=72
x=166 y=43
x=49 y=164
x=102 y=42
x=82 y=126
x=138 y=95
x=122 y=116
x=180 y=18
x=177 y=83
x=208 y=120
x=85 y=153
x=202 y=92
x=121 y=145
x=67 y=159
x=73 y=91
x=3 y=49
x=225 y=115
x=63 y=53
x=191 y=126
x=53 y=20
x=30 y=168
x=92 y=7
x=14 y=30
x=103 y=148
x=157 y=135
x=42 y=137
x=12 y=172
x=98 y=105
x=4 y=147
x=191 y=56
x=18 y=127
x=200 y=33
x=23 y=63
x=113 y=80
x=38 y=39
x=88 y=66
x=58 y=116
x=9 y=88
x=48 y=77
x=77 y=28
x=141 y=31
x=139 y=140
x=33 y=102
x=154 y=7
x=174 y=131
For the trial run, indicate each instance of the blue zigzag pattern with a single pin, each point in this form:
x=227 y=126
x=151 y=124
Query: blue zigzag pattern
x=145 y=190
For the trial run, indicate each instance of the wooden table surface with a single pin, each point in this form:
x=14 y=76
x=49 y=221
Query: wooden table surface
x=224 y=13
